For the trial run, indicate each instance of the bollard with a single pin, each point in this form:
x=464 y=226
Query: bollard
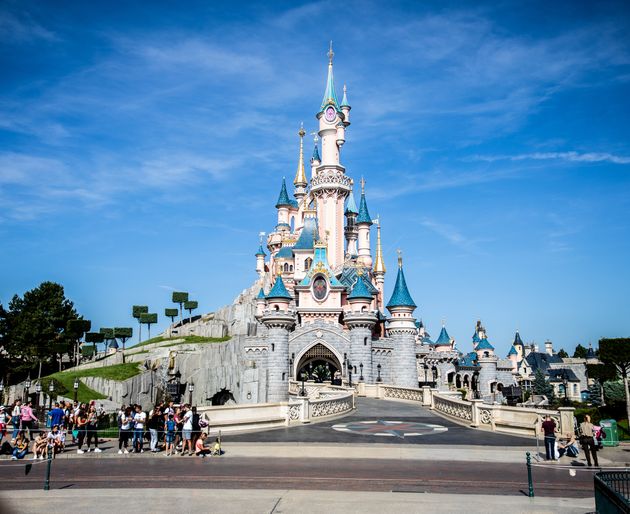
x=51 y=449
x=529 y=475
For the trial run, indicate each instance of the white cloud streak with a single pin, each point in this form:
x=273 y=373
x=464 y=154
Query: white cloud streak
x=561 y=156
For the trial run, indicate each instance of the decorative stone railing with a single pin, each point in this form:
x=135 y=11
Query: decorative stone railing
x=316 y=390
x=453 y=407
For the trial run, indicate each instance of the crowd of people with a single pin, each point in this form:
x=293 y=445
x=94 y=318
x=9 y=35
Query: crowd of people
x=166 y=427
x=589 y=437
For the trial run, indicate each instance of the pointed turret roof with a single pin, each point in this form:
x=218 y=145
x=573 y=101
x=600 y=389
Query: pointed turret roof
x=261 y=294
x=379 y=264
x=476 y=338
x=360 y=290
x=330 y=96
x=279 y=290
x=443 y=339
x=300 y=175
x=283 y=199
x=400 y=296
x=316 y=154
x=512 y=351
x=344 y=100
x=308 y=236
x=351 y=206
x=364 y=215
x=484 y=344
x=260 y=251
x=517 y=339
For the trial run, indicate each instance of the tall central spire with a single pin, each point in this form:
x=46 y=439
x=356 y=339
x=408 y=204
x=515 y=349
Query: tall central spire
x=300 y=176
x=330 y=97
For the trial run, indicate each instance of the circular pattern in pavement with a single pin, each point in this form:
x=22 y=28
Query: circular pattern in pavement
x=388 y=428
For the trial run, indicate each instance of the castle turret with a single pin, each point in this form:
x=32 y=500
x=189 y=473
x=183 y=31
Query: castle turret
x=513 y=358
x=300 y=181
x=261 y=302
x=361 y=320
x=379 y=267
x=260 y=260
x=315 y=159
x=402 y=329
x=519 y=346
x=351 y=230
x=443 y=343
x=548 y=347
x=283 y=205
x=345 y=106
x=279 y=320
x=364 y=222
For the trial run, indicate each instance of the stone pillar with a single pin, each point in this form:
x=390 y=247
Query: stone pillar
x=360 y=325
x=566 y=420
x=475 y=422
x=404 y=369
x=279 y=323
x=426 y=396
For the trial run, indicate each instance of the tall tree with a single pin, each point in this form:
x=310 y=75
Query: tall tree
x=33 y=328
x=600 y=374
x=580 y=352
x=136 y=312
x=180 y=298
x=190 y=306
x=562 y=354
x=108 y=335
x=541 y=385
x=616 y=352
x=171 y=313
x=148 y=319
x=77 y=328
x=123 y=333
x=94 y=338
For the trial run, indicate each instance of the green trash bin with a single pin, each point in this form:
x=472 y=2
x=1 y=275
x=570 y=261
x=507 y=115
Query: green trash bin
x=609 y=426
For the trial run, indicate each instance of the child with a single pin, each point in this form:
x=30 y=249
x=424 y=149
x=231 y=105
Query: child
x=216 y=449
x=169 y=428
x=21 y=447
x=200 y=446
x=39 y=447
x=54 y=441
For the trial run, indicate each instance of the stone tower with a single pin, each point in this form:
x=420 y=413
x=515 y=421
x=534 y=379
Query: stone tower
x=361 y=320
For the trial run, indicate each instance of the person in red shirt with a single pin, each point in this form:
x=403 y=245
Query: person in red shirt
x=548 y=428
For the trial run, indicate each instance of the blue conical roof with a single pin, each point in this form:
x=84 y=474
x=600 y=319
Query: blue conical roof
x=316 y=153
x=400 y=296
x=484 y=344
x=283 y=199
x=261 y=294
x=364 y=215
x=476 y=337
x=260 y=251
x=517 y=339
x=330 y=96
x=360 y=290
x=308 y=236
x=279 y=290
x=351 y=206
x=443 y=339
x=113 y=344
x=512 y=351
x=344 y=100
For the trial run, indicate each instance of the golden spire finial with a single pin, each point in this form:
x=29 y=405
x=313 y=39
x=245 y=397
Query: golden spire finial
x=331 y=54
x=300 y=175
x=379 y=264
x=362 y=185
x=399 y=252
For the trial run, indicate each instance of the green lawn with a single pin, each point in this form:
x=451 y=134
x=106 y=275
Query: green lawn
x=181 y=340
x=64 y=380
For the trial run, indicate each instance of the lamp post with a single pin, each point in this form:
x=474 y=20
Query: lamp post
x=303 y=391
x=349 y=374
x=361 y=370
x=378 y=370
x=51 y=390
x=27 y=386
x=291 y=367
x=38 y=391
x=565 y=383
x=76 y=388
x=191 y=388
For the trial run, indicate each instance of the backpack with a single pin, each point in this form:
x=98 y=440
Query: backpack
x=170 y=425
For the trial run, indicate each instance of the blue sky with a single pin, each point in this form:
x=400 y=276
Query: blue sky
x=142 y=150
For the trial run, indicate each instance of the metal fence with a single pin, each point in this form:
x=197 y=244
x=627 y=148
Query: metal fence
x=612 y=492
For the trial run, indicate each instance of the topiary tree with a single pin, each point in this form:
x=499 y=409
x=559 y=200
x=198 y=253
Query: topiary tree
x=136 y=311
x=171 y=313
x=149 y=319
x=123 y=333
x=94 y=338
x=616 y=352
x=180 y=298
x=191 y=306
x=77 y=328
x=108 y=337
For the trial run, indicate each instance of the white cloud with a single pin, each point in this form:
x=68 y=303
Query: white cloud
x=562 y=156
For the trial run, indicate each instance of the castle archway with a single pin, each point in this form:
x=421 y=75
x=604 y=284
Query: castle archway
x=318 y=362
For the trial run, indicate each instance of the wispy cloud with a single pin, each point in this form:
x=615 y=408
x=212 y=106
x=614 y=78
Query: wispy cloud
x=455 y=236
x=21 y=28
x=561 y=156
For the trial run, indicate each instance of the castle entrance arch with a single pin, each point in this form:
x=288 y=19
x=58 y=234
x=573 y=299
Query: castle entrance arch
x=318 y=362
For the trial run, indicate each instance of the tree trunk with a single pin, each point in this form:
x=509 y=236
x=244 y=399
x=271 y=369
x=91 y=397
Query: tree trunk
x=625 y=386
x=149 y=330
x=39 y=373
x=181 y=320
x=139 y=332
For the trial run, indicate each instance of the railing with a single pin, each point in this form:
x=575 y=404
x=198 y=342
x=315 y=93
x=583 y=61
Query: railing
x=334 y=406
x=612 y=491
x=315 y=389
x=453 y=407
x=402 y=393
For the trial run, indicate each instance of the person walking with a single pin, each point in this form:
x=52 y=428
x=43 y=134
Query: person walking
x=187 y=430
x=16 y=419
x=91 y=428
x=587 y=441
x=155 y=424
x=124 y=431
x=548 y=428
x=196 y=426
x=56 y=416
x=139 y=420
x=29 y=420
x=80 y=422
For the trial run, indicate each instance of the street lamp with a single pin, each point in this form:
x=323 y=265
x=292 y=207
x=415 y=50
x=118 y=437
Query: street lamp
x=565 y=383
x=303 y=391
x=361 y=369
x=378 y=369
x=76 y=388
x=27 y=386
x=38 y=390
x=191 y=388
x=51 y=390
x=349 y=374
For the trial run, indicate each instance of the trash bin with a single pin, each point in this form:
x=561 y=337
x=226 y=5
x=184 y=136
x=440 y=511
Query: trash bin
x=609 y=426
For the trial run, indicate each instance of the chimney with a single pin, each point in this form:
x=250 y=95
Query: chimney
x=549 y=347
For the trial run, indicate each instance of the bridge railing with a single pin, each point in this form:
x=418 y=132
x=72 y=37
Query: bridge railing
x=612 y=491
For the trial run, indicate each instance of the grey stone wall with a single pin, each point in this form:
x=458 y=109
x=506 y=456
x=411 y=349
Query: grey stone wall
x=403 y=362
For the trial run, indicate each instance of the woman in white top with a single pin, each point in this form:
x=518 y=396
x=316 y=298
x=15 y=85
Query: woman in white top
x=187 y=431
x=124 y=433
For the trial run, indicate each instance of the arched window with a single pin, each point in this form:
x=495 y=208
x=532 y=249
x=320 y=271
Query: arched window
x=307 y=263
x=365 y=341
x=291 y=267
x=286 y=267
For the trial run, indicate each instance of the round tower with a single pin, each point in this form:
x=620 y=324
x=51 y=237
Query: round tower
x=364 y=222
x=361 y=320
